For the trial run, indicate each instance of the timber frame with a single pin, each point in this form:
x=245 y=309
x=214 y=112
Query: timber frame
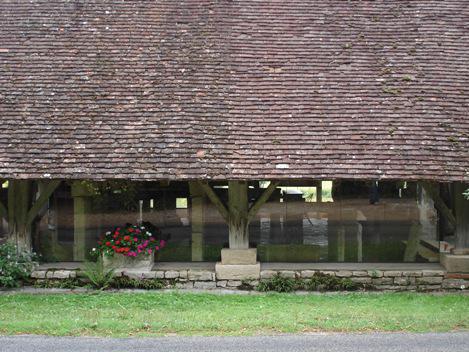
x=26 y=198
x=238 y=213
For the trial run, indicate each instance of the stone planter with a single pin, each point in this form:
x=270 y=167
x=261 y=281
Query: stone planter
x=119 y=262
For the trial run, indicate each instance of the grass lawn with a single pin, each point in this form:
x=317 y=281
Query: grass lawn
x=146 y=314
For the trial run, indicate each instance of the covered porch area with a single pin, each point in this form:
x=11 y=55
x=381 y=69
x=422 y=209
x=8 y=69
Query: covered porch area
x=390 y=234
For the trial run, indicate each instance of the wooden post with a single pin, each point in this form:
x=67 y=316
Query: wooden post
x=341 y=244
x=461 y=210
x=413 y=242
x=238 y=208
x=20 y=230
x=238 y=214
x=434 y=193
x=359 y=242
x=319 y=192
x=197 y=221
x=80 y=208
x=23 y=209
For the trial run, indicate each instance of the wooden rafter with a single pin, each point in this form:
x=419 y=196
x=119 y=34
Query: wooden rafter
x=439 y=202
x=264 y=197
x=215 y=200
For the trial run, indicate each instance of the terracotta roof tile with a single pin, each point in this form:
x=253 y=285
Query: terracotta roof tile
x=234 y=89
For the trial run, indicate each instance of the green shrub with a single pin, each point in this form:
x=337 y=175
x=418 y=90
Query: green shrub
x=144 y=284
x=319 y=282
x=99 y=277
x=326 y=282
x=15 y=265
x=278 y=284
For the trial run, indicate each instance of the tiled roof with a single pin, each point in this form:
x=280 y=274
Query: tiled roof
x=233 y=89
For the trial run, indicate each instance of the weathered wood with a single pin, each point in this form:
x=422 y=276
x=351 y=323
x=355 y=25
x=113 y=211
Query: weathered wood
x=197 y=221
x=215 y=200
x=44 y=196
x=238 y=208
x=3 y=211
x=319 y=192
x=238 y=214
x=19 y=200
x=439 y=202
x=359 y=242
x=264 y=197
x=341 y=244
x=413 y=242
x=461 y=207
x=22 y=210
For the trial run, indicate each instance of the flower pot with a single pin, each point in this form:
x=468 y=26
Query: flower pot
x=119 y=262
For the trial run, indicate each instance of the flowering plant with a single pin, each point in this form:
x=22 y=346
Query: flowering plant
x=131 y=240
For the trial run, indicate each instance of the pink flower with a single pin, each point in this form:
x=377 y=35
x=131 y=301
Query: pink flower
x=135 y=239
x=149 y=251
x=162 y=243
x=157 y=248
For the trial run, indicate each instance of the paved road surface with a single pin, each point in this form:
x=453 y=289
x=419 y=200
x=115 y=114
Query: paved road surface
x=377 y=342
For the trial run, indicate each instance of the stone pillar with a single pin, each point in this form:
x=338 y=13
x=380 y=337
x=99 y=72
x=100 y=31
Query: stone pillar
x=197 y=221
x=81 y=202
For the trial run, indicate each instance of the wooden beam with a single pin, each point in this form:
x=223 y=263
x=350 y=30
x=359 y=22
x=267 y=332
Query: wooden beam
x=264 y=197
x=439 y=202
x=49 y=188
x=215 y=200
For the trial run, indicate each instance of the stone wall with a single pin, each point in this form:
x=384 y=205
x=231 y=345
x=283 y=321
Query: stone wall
x=382 y=280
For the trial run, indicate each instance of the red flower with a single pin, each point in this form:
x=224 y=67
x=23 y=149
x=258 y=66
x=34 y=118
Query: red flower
x=131 y=230
x=118 y=242
x=108 y=243
x=127 y=238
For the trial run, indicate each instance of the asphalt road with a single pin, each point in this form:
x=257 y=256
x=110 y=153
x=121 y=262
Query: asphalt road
x=376 y=342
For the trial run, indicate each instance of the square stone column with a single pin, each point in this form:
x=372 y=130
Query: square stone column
x=238 y=264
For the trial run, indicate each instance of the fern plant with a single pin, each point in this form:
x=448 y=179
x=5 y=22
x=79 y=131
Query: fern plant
x=98 y=276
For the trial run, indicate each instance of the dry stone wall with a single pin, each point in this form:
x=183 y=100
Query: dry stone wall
x=382 y=280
